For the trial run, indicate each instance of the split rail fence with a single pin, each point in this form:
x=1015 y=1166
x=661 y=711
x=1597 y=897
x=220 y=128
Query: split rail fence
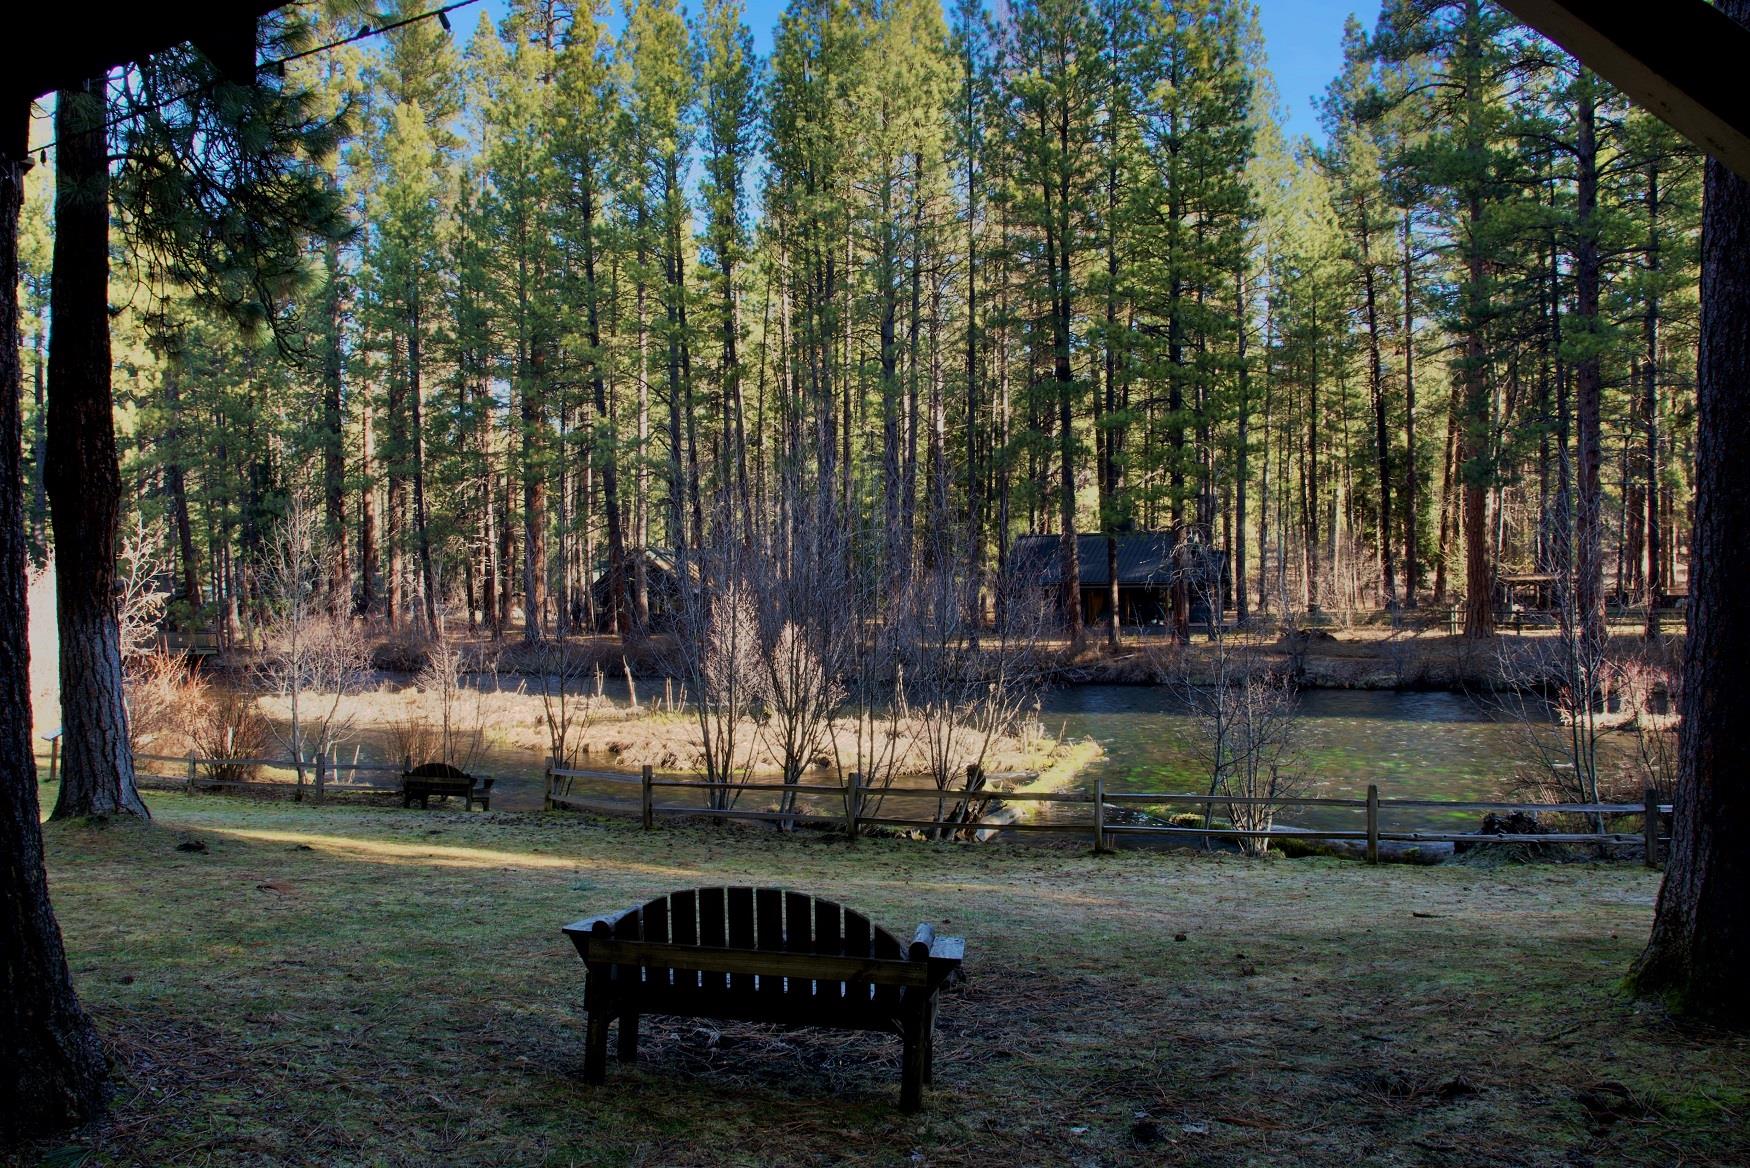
x=853 y=797
x=854 y=805
x=320 y=777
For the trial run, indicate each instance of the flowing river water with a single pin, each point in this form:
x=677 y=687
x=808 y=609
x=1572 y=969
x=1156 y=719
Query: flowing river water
x=1431 y=745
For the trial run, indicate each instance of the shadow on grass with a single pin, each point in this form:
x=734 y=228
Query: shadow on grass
x=361 y=986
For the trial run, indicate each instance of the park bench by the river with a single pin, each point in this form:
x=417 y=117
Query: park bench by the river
x=436 y=778
x=762 y=955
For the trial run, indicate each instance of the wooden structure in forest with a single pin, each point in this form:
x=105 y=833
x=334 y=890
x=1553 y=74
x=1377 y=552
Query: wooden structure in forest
x=662 y=581
x=762 y=955
x=1149 y=565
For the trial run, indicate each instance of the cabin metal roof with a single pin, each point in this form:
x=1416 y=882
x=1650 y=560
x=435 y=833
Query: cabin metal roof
x=1145 y=558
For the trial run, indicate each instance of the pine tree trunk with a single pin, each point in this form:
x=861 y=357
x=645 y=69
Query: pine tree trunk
x=175 y=482
x=1412 y=560
x=367 y=606
x=1701 y=928
x=334 y=437
x=1588 y=386
x=53 y=1073
x=84 y=481
x=416 y=405
x=1381 y=445
x=1650 y=407
x=607 y=446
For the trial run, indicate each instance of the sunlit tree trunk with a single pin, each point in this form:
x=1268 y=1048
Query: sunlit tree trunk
x=84 y=481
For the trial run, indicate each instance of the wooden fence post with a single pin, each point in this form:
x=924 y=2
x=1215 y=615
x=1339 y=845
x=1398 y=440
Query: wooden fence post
x=55 y=756
x=188 y=786
x=1099 y=814
x=547 y=789
x=645 y=810
x=1650 y=826
x=1373 y=823
x=853 y=804
x=321 y=773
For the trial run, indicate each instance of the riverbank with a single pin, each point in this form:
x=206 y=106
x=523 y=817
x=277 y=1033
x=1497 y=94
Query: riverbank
x=1408 y=658
x=296 y=985
x=1410 y=655
x=615 y=731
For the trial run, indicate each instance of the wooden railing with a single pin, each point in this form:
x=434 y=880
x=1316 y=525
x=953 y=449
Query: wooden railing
x=855 y=806
x=323 y=770
x=853 y=794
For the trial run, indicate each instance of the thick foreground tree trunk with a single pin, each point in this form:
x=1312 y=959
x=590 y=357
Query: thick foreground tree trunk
x=51 y=1065
x=1700 y=945
x=84 y=482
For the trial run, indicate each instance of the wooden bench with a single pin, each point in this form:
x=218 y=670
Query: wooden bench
x=762 y=955
x=436 y=778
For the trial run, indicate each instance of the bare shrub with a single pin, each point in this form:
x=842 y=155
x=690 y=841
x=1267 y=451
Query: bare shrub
x=1245 y=714
x=165 y=698
x=718 y=654
x=1245 y=711
x=312 y=652
x=876 y=707
x=230 y=729
x=141 y=563
x=800 y=597
x=966 y=685
x=457 y=736
x=1553 y=692
x=1650 y=691
x=566 y=708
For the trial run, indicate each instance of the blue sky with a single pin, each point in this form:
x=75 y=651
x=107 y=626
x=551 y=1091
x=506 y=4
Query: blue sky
x=1304 y=40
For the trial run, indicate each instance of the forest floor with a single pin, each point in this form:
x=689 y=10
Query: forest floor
x=287 y=984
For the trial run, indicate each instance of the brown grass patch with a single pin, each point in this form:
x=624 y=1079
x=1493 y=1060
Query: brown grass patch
x=331 y=985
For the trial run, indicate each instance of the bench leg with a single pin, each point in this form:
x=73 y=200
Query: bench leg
x=629 y=1037
x=595 y=1051
x=930 y=1045
x=913 y=1062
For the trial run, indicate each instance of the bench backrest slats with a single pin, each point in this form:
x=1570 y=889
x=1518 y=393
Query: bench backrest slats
x=829 y=938
x=713 y=933
x=738 y=906
x=798 y=938
x=768 y=931
x=757 y=920
x=683 y=929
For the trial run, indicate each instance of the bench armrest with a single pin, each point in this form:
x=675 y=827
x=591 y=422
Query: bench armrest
x=948 y=949
x=943 y=953
x=603 y=926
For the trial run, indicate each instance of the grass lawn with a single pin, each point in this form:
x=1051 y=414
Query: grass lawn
x=363 y=986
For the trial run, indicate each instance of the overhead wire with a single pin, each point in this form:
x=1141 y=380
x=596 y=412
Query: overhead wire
x=279 y=63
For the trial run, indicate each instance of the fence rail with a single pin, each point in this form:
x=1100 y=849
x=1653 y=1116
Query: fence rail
x=322 y=769
x=854 y=793
x=860 y=805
